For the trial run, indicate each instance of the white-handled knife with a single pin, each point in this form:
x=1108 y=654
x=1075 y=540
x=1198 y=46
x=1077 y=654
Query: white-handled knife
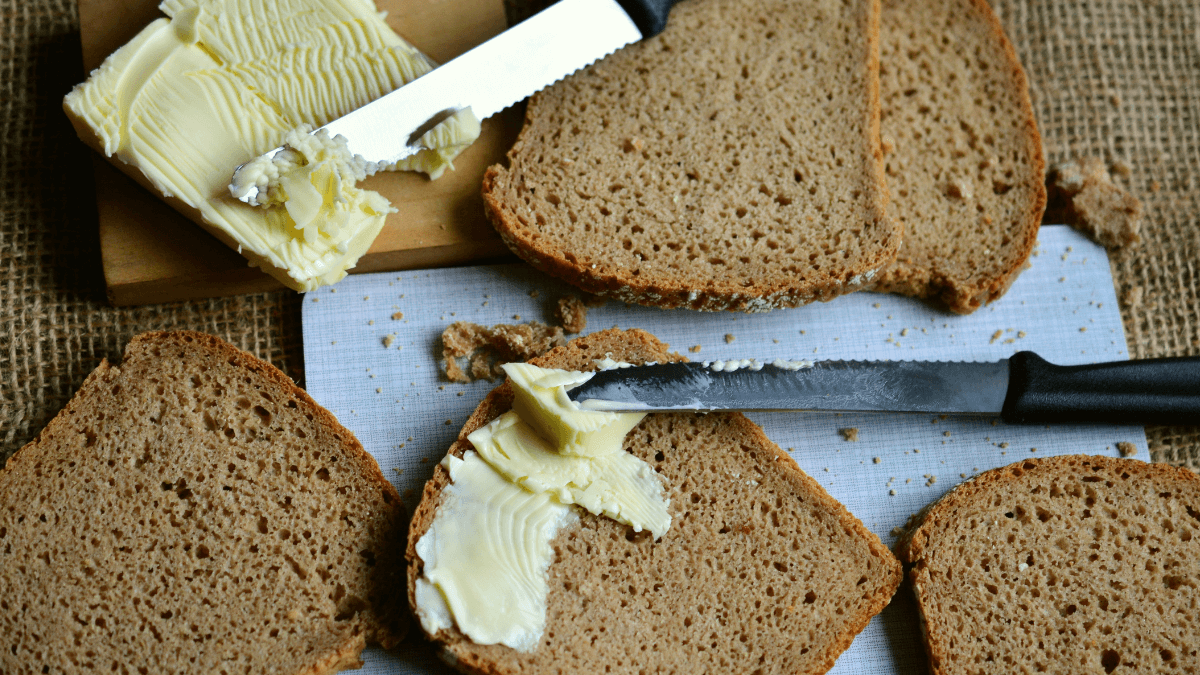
x=1022 y=389
x=498 y=73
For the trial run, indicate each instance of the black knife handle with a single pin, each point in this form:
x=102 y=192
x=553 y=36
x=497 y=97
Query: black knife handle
x=650 y=16
x=1145 y=391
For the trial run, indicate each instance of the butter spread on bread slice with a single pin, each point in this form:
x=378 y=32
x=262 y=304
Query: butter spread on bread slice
x=761 y=567
x=484 y=557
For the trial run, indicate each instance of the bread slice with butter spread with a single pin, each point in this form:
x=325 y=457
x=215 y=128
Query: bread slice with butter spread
x=1070 y=564
x=731 y=162
x=760 y=569
x=193 y=510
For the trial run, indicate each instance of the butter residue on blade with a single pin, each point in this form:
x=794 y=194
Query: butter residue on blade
x=314 y=170
x=222 y=81
x=485 y=557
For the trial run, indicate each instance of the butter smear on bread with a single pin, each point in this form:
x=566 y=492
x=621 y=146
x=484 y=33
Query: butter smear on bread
x=221 y=82
x=487 y=552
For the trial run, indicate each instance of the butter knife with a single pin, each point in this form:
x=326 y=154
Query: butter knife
x=494 y=75
x=1022 y=389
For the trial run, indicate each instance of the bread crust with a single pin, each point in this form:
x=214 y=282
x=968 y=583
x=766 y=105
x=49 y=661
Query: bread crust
x=634 y=346
x=338 y=648
x=915 y=273
x=513 y=206
x=916 y=545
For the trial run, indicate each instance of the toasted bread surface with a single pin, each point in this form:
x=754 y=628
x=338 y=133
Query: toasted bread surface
x=192 y=510
x=1070 y=564
x=962 y=153
x=731 y=162
x=761 y=568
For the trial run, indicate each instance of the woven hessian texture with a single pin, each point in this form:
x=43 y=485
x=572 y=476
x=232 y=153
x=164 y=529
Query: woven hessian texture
x=1116 y=79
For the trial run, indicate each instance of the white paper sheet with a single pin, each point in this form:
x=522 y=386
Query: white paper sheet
x=406 y=414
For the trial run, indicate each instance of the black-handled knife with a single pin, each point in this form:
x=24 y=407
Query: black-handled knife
x=535 y=53
x=1023 y=389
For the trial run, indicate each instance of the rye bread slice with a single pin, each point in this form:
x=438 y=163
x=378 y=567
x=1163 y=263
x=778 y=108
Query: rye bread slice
x=731 y=162
x=961 y=151
x=761 y=571
x=1069 y=564
x=192 y=510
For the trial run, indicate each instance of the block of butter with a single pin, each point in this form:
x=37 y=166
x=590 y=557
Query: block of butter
x=219 y=82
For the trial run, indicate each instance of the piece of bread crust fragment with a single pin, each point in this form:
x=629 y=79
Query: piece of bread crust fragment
x=731 y=162
x=962 y=153
x=194 y=510
x=761 y=567
x=1064 y=564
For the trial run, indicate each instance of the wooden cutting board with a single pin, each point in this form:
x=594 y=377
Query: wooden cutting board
x=152 y=254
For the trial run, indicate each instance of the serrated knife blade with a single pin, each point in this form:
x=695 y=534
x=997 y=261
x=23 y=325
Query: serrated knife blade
x=843 y=386
x=1024 y=388
x=522 y=60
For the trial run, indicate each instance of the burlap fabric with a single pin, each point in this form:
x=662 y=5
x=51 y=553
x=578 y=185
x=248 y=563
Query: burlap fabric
x=1114 y=78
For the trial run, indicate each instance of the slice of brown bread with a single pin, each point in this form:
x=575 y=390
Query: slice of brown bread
x=730 y=163
x=961 y=150
x=1069 y=564
x=761 y=571
x=192 y=510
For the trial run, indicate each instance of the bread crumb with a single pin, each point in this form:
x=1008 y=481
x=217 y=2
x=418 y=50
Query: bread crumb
x=887 y=143
x=694 y=349
x=486 y=349
x=1122 y=168
x=1155 y=186
x=534 y=293
x=930 y=479
x=1133 y=296
x=396 y=316
x=996 y=336
x=946 y=433
x=572 y=314
x=398 y=469
x=892 y=493
x=1127 y=449
x=729 y=337
x=1004 y=445
x=849 y=433
x=1033 y=449
x=388 y=340
x=1020 y=333
x=378 y=390
x=904 y=332
x=448 y=423
x=1083 y=329
x=1083 y=195
x=876 y=460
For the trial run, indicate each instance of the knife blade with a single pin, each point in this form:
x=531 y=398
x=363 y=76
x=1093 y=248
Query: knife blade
x=533 y=54
x=1022 y=389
